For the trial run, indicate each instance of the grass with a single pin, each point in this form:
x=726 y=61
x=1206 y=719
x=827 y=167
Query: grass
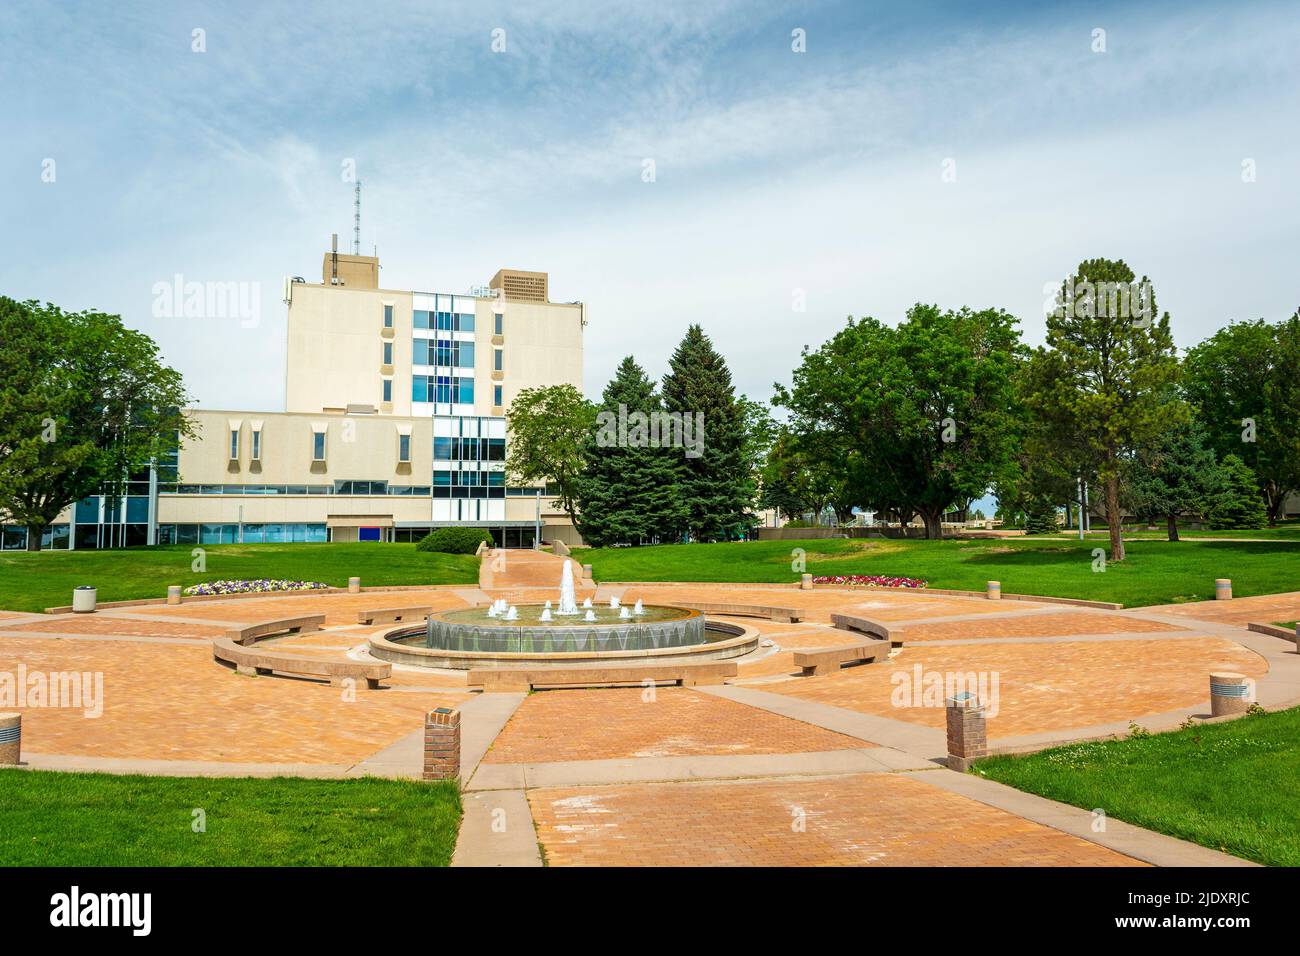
x=1290 y=624
x=1233 y=786
x=33 y=582
x=1284 y=531
x=1155 y=572
x=95 y=819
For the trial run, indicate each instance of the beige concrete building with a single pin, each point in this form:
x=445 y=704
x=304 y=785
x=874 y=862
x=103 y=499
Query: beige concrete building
x=393 y=423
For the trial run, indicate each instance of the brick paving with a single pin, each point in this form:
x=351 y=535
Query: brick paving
x=107 y=626
x=172 y=702
x=1042 y=686
x=1064 y=624
x=620 y=722
x=1239 y=611
x=854 y=820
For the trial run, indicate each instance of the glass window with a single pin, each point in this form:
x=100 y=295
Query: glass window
x=442 y=320
x=421 y=319
x=234 y=444
x=465 y=322
x=497 y=323
x=404 y=448
x=318 y=446
x=419 y=388
x=465 y=359
x=441 y=452
x=257 y=446
x=87 y=511
x=388 y=353
x=388 y=389
x=496 y=359
x=388 y=316
x=496 y=395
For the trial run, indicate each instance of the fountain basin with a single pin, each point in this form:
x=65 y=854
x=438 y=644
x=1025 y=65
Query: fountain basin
x=407 y=644
x=469 y=629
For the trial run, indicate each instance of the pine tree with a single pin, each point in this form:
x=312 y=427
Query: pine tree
x=1174 y=475
x=1237 y=504
x=713 y=478
x=628 y=490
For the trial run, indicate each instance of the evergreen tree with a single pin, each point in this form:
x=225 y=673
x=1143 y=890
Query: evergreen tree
x=713 y=477
x=1040 y=516
x=1237 y=504
x=627 y=493
x=1176 y=474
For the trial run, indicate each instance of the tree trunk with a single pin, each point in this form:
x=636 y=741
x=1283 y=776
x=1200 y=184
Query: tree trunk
x=1113 y=519
x=933 y=525
x=1173 y=527
x=34 y=535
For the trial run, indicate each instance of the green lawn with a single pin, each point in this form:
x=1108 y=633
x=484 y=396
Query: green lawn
x=1290 y=624
x=33 y=582
x=1155 y=572
x=93 y=819
x=1285 y=531
x=1233 y=786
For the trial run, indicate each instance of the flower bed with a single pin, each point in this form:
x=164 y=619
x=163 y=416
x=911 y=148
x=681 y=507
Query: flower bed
x=869 y=581
x=261 y=584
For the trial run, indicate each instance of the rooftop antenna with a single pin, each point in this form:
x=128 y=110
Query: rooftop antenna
x=356 y=220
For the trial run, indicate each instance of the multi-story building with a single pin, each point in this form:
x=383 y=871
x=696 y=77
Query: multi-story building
x=394 y=424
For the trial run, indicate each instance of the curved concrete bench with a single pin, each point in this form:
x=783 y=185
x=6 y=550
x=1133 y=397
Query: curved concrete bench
x=288 y=625
x=783 y=615
x=827 y=660
x=864 y=625
x=252 y=662
x=523 y=679
x=389 y=615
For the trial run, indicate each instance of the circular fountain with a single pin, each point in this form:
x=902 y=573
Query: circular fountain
x=505 y=635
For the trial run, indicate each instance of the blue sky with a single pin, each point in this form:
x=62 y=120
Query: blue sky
x=778 y=174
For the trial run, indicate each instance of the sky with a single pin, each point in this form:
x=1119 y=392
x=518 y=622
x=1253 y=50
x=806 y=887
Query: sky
x=960 y=154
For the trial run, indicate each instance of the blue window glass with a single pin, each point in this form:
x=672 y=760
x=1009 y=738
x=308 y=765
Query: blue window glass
x=444 y=353
x=388 y=316
x=497 y=321
x=496 y=395
x=496 y=359
x=388 y=354
x=403 y=448
x=441 y=452
x=88 y=511
x=466 y=391
x=419 y=388
x=444 y=321
x=318 y=446
x=421 y=319
x=388 y=389
x=466 y=358
x=137 y=509
x=442 y=388
x=465 y=322
x=442 y=478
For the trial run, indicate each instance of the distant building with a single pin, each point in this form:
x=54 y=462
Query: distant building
x=393 y=425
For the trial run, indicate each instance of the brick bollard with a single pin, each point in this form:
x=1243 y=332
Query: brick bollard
x=805 y=582
x=586 y=571
x=354 y=585
x=1223 y=589
x=442 y=744
x=173 y=594
x=1230 y=693
x=993 y=590
x=967 y=735
x=11 y=738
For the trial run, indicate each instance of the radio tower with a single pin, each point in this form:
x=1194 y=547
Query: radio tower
x=356 y=220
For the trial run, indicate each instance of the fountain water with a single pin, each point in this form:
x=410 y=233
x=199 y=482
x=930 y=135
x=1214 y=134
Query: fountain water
x=638 y=610
x=613 y=604
x=591 y=615
x=568 y=601
x=512 y=614
x=546 y=614
x=586 y=604
x=623 y=614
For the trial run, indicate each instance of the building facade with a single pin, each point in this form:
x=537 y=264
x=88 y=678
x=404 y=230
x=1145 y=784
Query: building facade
x=394 y=424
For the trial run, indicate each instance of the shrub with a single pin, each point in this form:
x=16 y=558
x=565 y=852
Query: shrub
x=454 y=540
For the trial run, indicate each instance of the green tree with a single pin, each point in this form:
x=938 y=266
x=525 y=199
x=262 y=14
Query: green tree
x=1241 y=383
x=1101 y=382
x=628 y=490
x=84 y=401
x=714 y=477
x=1176 y=474
x=922 y=414
x=550 y=435
x=1236 y=504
